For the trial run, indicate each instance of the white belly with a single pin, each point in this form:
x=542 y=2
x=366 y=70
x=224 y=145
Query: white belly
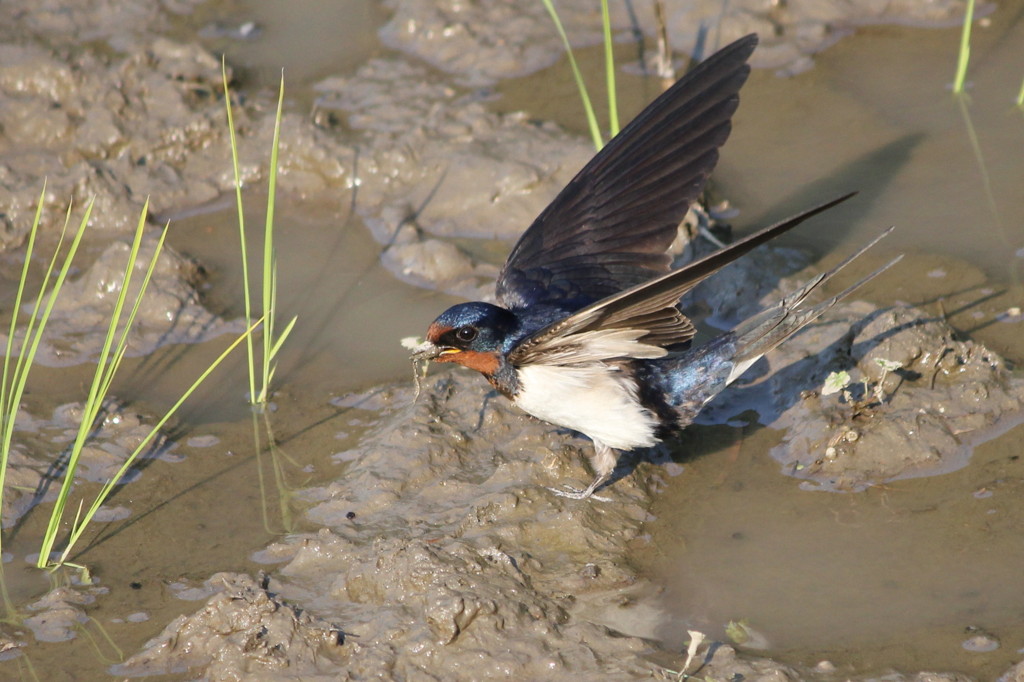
x=589 y=399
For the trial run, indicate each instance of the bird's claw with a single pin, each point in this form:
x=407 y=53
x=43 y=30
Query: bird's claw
x=577 y=494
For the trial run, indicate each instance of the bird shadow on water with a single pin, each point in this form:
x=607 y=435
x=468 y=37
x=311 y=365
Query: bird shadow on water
x=870 y=174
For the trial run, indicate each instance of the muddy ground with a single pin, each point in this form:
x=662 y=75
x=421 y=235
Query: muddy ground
x=438 y=552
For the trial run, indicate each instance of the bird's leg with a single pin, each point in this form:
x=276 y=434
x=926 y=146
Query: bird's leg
x=603 y=463
x=577 y=494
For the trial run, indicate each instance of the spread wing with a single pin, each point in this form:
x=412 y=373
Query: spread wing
x=642 y=321
x=609 y=228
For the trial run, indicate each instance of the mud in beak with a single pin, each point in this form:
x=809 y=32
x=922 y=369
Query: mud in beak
x=424 y=353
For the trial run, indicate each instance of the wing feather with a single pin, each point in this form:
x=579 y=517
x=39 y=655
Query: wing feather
x=609 y=228
x=647 y=309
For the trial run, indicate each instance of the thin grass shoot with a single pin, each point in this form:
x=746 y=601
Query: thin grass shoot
x=271 y=341
x=109 y=360
x=243 y=242
x=609 y=70
x=964 y=56
x=11 y=393
x=588 y=107
x=15 y=380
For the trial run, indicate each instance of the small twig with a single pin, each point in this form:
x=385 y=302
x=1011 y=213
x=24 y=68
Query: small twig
x=663 y=60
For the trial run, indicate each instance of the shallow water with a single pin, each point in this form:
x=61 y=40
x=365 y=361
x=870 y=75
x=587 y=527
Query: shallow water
x=352 y=310
x=893 y=577
x=308 y=41
x=890 y=577
x=876 y=115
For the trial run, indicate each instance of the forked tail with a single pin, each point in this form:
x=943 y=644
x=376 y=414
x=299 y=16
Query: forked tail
x=766 y=330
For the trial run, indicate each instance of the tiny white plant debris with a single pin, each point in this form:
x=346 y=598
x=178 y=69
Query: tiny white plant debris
x=411 y=342
x=888 y=365
x=1011 y=314
x=696 y=639
x=835 y=382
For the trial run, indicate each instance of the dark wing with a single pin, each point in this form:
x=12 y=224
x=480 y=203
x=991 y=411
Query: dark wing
x=609 y=228
x=643 y=320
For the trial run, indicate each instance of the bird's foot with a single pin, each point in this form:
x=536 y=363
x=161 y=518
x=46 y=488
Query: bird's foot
x=577 y=494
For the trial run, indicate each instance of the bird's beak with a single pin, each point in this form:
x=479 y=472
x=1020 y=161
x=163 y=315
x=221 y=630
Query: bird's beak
x=428 y=351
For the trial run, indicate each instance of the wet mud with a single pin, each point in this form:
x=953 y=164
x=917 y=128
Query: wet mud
x=428 y=546
x=458 y=553
x=420 y=163
x=243 y=632
x=173 y=314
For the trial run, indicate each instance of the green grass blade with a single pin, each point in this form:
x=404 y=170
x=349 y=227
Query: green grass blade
x=270 y=327
x=106 y=366
x=29 y=345
x=595 y=129
x=284 y=335
x=111 y=359
x=108 y=362
x=269 y=256
x=40 y=312
x=965 y=50
x=24 y=357
x=12 y=386
x=1020 y=95
x=17 y=304
x=108 y=487
x=110 y=353
x=53 y=525
x=609 y=70
x=12 y=332
x=243 y=245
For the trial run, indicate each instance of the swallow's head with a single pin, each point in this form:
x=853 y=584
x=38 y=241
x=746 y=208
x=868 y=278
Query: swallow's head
x=476 y=335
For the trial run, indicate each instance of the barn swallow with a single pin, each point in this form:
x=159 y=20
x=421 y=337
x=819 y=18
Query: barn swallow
x=588 y=334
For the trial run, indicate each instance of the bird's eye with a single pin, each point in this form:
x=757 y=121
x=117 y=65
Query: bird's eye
x=466 y=334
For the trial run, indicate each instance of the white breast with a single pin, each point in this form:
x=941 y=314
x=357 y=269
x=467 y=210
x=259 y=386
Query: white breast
x=598 y=403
